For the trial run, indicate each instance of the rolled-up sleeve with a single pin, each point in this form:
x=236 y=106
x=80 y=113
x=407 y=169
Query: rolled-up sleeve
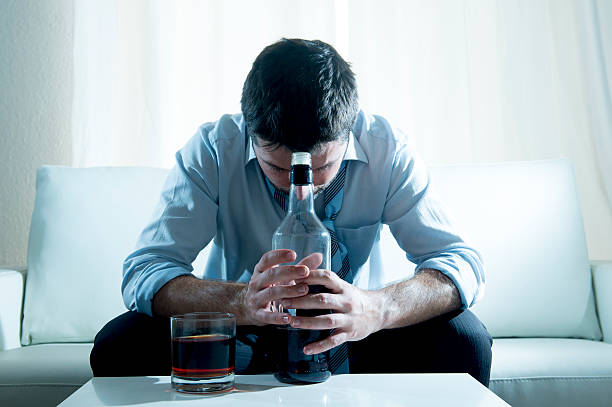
x=182 y=225
x=423 y=230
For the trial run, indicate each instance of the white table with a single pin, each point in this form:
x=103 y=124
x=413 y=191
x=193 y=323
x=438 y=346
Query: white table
x=380 y=390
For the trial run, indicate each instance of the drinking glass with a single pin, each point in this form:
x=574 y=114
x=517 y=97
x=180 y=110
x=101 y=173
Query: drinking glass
x=203 y=352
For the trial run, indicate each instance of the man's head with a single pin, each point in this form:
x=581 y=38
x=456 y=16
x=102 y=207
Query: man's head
x=299 y=96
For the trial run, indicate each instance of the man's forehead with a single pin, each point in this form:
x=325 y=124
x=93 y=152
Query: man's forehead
x=281 y=156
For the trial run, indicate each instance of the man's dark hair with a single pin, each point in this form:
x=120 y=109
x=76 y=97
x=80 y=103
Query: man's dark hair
x=299 y=94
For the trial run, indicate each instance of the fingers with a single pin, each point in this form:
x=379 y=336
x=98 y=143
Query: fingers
x=312 y=261
x=317 y=301
x=325 y=278
x=274 y=258
x=327 y=321
x=274 y=280
x=283 y=275
x=268 y=272
x=328 y=343
x=276 y=292
x=268 y=317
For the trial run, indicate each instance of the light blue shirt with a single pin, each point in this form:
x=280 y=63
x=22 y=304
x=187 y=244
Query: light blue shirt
x=217 y=191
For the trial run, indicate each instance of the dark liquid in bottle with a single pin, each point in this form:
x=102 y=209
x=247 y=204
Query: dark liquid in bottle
x=203 y=356
x=294 y=366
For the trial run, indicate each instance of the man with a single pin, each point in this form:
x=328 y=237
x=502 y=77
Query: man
x=301 y=96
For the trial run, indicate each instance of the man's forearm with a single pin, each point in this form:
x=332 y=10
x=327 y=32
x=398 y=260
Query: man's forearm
x=190 y=294
x=427 y=295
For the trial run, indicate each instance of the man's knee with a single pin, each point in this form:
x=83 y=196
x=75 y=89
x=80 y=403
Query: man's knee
x=453 y=343
x=467 y=346
x=132 y=344
x=472 y=334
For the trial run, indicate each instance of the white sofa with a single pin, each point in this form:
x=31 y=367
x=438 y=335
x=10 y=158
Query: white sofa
x=548 y=309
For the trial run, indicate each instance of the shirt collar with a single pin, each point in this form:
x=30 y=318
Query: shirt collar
x=353 y=149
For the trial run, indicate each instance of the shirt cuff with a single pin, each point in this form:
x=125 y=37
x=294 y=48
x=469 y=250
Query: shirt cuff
x=150 y=282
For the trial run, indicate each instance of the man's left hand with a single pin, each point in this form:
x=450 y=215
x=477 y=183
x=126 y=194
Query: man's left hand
x=357 y=313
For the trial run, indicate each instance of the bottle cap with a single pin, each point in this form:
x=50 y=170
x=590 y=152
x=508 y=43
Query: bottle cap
x=301 y=159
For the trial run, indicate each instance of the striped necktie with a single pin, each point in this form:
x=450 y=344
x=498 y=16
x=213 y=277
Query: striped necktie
x=332 y=201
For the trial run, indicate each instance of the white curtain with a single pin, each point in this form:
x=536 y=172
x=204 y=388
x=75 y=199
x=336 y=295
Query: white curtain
x=470 y=81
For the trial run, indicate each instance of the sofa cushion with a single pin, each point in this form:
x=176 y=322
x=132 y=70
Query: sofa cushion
x=552 y=371
x=43 y=375
x=602 y=285
x=11 y=296
x=46 y=364
x=85 y=222
x=523 y=217
x=550 y=357
x=525 y=220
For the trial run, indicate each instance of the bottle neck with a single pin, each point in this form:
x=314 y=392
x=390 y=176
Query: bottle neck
x=301 y=198
x=301 y=192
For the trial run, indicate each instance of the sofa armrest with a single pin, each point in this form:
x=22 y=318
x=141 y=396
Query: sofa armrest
x=11 y=299
x=602 y=285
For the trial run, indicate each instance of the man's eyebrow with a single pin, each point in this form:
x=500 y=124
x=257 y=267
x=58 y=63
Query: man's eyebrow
x=327 y=164
x=275 y=166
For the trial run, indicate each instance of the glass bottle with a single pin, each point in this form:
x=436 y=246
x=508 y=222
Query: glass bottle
x=302 y=232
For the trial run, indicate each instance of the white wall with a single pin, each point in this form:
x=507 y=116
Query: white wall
x=35 y=109
x=36 y=45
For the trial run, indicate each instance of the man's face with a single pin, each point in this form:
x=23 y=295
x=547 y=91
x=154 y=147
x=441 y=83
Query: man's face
x=276 y=164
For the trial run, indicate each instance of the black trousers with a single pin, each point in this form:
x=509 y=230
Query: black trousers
x=135 y=344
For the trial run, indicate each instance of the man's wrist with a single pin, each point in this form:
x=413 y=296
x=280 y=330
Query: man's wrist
x=240 y=307
x=379 y=308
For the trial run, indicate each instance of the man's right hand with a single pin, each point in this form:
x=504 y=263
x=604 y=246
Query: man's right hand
x=272 y=282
